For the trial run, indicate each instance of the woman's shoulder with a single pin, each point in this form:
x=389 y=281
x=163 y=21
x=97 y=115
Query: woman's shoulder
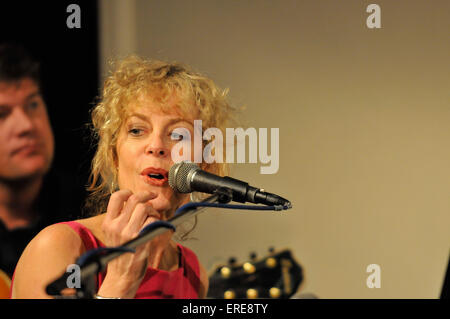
x=64 y=236
x=45 y=257
x=93 y=225
x=55 y=238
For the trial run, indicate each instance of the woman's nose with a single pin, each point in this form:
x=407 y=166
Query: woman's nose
x=159 y=152
x=156 y=146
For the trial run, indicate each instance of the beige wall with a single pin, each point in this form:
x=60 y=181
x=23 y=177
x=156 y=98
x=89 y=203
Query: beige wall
x=364 y=130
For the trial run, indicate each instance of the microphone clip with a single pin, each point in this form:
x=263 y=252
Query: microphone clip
x=225 y=195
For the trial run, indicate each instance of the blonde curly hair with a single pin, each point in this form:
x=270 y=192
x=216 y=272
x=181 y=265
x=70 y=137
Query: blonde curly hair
x=132 y=79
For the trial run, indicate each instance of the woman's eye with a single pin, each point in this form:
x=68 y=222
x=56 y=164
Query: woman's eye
x=135 y=131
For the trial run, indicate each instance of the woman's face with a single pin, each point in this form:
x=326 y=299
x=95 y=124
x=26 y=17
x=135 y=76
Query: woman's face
x=144 y=148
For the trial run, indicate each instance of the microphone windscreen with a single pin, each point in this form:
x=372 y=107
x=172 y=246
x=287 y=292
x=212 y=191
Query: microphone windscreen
x=178 y=176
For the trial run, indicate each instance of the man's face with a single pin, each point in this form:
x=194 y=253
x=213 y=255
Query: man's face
x=26 y=138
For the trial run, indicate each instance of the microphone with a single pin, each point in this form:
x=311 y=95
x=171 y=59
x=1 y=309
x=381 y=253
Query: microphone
x=186 y=177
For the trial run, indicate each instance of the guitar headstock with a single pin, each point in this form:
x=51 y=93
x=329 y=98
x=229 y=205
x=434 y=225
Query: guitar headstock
x=277 y=275
x=5 y=285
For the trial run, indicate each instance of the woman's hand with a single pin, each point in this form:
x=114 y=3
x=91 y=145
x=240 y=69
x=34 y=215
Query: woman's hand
x=127 y=214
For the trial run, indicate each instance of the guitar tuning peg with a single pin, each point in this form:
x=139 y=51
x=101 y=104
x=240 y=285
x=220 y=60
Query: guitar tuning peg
x=249 y=268
x=253 y=256
x=229 y=294
x=232 y=261
x=252 y=293
x=271 y=249
x=225 y=272
x=271 y=262
x=274 y=292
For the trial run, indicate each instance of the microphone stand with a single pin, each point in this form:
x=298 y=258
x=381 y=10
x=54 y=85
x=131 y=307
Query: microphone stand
x=95 y=262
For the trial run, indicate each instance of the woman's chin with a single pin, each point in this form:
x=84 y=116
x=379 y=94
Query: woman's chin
x=161 y=206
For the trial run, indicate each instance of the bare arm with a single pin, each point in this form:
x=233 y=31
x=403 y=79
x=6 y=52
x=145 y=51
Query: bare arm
x=45 y=259
x=47 y=256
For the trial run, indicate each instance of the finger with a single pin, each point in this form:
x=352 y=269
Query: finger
x=140 y=214
x=116 y=202
x=150 y=219
x=131 y=203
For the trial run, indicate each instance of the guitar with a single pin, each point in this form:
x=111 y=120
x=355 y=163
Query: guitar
x=277 y=275
x=5 y=285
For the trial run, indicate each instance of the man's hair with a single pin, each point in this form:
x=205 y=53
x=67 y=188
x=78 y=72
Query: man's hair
x=16 y=63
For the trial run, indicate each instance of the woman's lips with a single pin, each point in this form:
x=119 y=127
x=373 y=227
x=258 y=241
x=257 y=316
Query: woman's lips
x=155 y=176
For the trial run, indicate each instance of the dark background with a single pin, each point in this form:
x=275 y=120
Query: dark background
x=69 y=69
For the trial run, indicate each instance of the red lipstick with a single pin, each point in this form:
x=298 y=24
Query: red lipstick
x=155 y=176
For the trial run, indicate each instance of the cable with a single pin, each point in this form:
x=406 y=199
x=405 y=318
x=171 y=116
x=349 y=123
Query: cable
x=92 y=256
x=229 y=206
x=155 y=225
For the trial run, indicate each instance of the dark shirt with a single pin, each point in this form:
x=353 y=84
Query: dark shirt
x=60 y=199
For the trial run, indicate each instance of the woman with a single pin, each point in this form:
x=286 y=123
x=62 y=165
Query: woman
x=143 y=103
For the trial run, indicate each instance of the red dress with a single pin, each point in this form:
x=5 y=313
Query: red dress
x=183 y=283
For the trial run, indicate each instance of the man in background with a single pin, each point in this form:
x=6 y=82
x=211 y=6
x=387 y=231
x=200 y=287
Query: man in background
x=32 y=194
